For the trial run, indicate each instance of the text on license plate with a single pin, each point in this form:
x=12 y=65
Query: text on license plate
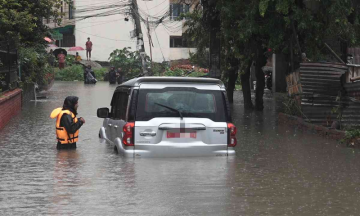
x=181 y=135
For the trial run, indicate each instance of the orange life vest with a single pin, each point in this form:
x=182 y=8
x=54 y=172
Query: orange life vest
x=61 y=134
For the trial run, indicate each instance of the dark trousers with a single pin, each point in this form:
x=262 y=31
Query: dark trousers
x=65 y=146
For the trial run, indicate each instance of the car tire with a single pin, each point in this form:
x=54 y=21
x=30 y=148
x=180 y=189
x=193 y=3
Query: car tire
x=116 y=150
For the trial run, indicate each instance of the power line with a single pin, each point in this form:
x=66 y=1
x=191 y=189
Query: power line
x=103 y=37
x=156 y=35
x=159 y=46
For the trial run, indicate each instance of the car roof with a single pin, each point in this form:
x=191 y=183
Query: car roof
x=136 y=82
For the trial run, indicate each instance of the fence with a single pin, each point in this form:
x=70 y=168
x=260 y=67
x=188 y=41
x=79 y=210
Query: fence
x=324 y=97
x=8 y=65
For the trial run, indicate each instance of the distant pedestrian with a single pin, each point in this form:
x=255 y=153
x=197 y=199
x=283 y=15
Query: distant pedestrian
x=89 y=75
x=112 y=76
x=88 y=45
x=77 y=58
x=61 y=59
x=51 y=58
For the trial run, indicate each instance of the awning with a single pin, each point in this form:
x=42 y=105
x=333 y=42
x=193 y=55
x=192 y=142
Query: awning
x=69 y=29
x=56 y=35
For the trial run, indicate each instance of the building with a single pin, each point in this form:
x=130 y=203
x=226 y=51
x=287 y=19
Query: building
x=110 y=25
x=64 y=34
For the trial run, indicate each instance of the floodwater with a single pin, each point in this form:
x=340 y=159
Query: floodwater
x=277 y=170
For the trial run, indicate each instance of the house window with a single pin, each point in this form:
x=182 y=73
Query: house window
x=177 y=9
x=178 y=42
x=68 y=40
x=186 y=8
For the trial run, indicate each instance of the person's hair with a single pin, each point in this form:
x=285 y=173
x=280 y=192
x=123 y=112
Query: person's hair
x=88 y=38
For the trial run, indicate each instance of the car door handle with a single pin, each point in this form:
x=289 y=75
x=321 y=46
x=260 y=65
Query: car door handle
x=115 y=126
x=110 y=125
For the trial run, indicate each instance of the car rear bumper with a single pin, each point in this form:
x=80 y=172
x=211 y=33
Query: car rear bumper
x=186 y=150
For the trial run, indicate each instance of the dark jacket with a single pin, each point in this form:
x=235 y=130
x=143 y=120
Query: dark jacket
x=66 y=121
x=112 y=76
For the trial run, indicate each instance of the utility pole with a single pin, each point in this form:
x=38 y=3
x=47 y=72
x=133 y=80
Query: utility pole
x=140 y=39
x=150 y=40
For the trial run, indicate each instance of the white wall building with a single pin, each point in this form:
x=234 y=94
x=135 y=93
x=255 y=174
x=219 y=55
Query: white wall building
x=108 y=30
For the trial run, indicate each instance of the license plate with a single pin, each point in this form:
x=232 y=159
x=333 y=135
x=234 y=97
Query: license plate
x=171 y=135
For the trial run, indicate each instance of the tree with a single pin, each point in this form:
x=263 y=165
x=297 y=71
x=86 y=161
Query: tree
x=21 y=20
x=255 y=25
x=289 y=27
x=130 y=62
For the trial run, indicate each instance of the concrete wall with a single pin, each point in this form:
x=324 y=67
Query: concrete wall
x=10 y=105
x=180 y=53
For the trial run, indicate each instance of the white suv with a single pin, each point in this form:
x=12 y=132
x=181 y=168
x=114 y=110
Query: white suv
x=169 y=117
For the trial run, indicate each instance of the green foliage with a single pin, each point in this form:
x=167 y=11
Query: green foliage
x=34 y=66
x=130 y=62
x=72 y=73
x=70 y=60
x=183 y=73
x=175 y=73
x=249 y=26
x=352 y=133
x=100 y=73
x=292 y=107
x=352 y=137
x=200 y=58
x=21 y=20
x=158 y=68
x=197 y=33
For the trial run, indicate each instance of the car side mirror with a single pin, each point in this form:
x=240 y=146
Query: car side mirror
x=103 y=113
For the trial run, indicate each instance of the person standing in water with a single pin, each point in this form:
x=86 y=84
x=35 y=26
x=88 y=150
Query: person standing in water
x=67 y=125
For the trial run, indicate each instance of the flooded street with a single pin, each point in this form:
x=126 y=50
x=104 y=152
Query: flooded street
x=277 y=170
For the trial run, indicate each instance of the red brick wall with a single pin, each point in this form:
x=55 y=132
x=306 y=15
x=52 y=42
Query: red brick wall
x=10 y=105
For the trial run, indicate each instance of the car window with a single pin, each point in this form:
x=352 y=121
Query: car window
x=119 y=105
x=191 y=102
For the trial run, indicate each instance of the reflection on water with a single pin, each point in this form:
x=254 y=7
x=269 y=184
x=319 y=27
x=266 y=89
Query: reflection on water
x=66 y=175
x=277 y=170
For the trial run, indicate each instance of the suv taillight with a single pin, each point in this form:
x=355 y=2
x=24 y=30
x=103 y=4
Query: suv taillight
x=128 y=138
x=232 y=141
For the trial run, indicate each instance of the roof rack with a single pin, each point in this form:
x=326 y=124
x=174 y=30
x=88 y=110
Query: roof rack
x=138 y=81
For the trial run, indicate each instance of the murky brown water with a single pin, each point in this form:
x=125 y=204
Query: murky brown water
x=277 y=170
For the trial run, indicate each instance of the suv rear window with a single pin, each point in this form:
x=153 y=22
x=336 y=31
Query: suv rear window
x=190 y=102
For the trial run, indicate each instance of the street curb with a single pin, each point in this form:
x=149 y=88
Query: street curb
x=305 y=126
